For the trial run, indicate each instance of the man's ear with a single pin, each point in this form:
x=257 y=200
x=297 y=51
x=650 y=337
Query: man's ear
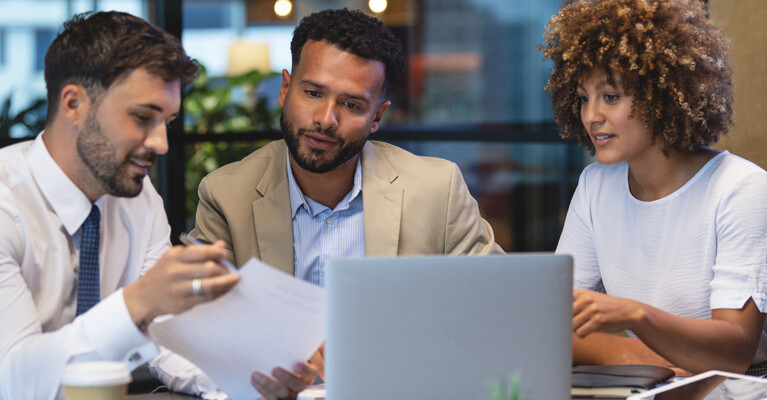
x=284 y=87
x=74 y=104
x=379 y=115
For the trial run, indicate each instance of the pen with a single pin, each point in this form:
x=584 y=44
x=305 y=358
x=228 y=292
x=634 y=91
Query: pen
x=189 y=240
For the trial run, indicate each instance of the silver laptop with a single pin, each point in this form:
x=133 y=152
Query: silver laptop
x=442 y=327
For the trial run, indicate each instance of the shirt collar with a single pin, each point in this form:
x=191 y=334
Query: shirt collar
x=66 y=199
x=297 y=198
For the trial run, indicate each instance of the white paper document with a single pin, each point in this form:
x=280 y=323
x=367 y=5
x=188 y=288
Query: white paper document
x=269 y=319
x=313 y=392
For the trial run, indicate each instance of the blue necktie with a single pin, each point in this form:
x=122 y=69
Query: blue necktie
x=88 y=293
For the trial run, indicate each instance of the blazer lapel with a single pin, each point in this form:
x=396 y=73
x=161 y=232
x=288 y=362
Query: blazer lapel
x=274 y=222
x=382 y=204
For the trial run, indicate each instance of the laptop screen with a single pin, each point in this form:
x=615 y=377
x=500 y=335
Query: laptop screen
x=449 y=327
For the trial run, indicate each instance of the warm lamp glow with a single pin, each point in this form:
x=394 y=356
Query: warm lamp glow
x=377 y=6
x=245 y=57
x=282 y=7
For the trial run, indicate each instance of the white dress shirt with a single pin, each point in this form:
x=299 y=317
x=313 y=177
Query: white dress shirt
x=41 y=213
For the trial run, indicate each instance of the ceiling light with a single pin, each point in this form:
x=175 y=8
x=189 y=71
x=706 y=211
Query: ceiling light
x=377 y=6
x=282 y=7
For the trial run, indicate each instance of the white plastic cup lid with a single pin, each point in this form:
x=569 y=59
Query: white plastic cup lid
x=95 y=373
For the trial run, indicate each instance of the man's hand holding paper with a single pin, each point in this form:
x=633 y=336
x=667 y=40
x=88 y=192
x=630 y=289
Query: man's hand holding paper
x=270 y=322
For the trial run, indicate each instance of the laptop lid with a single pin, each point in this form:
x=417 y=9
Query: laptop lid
x=448 y=327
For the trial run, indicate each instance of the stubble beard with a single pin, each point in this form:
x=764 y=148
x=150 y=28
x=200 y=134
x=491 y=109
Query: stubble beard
x=316 y=160
x=100 y=158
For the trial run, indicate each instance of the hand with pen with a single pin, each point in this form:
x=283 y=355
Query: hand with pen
x=182 y=278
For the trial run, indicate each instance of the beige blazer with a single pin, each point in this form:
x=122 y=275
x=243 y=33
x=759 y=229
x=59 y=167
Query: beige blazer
x=411 y=205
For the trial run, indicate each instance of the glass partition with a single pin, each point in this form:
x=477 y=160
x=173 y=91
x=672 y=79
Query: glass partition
x=27 y=28
x=472 y=92
x=468 y=61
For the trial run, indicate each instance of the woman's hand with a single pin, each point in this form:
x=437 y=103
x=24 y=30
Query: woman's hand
x=598 y=312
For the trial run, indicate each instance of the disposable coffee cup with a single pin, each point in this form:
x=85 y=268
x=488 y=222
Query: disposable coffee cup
x=95 y=380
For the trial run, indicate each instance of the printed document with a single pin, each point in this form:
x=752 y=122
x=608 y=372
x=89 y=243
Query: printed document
x=269 y=319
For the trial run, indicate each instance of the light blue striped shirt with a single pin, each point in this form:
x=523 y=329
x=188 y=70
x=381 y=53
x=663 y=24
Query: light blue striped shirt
x=320 y=233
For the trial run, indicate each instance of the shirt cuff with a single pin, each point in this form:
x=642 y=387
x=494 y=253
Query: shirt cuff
x=732 y=286
x=113 y=334
x=180 y=375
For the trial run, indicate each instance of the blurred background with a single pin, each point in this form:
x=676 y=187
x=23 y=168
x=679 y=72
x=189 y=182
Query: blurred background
x=472 y=92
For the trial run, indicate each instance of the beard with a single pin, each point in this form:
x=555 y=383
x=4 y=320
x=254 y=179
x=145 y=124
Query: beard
x=99 y=155
x=316 y=160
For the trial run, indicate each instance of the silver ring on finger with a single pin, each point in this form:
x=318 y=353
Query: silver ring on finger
x=197 y=286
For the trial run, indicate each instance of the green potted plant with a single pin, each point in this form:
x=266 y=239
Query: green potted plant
x=511 y=390
x=216 y=105
x=32 y=117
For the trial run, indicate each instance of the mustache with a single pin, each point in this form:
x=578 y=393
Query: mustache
x=325 y=132
x=148 y=156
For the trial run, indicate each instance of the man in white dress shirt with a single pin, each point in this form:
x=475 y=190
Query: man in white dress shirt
x=114 y=83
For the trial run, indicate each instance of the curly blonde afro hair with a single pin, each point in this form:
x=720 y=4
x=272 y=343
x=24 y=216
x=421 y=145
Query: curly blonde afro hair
x=668 y=55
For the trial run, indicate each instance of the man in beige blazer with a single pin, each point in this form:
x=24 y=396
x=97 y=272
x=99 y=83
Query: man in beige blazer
x=411 y=205
x=371 y=198
x=336 y=98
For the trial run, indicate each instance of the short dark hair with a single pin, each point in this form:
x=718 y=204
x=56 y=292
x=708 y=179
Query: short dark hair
x=669 y=56
x=93 y=50
x=355 y=32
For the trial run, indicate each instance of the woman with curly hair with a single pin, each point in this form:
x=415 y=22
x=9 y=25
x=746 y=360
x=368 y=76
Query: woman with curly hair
x=668 y=237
